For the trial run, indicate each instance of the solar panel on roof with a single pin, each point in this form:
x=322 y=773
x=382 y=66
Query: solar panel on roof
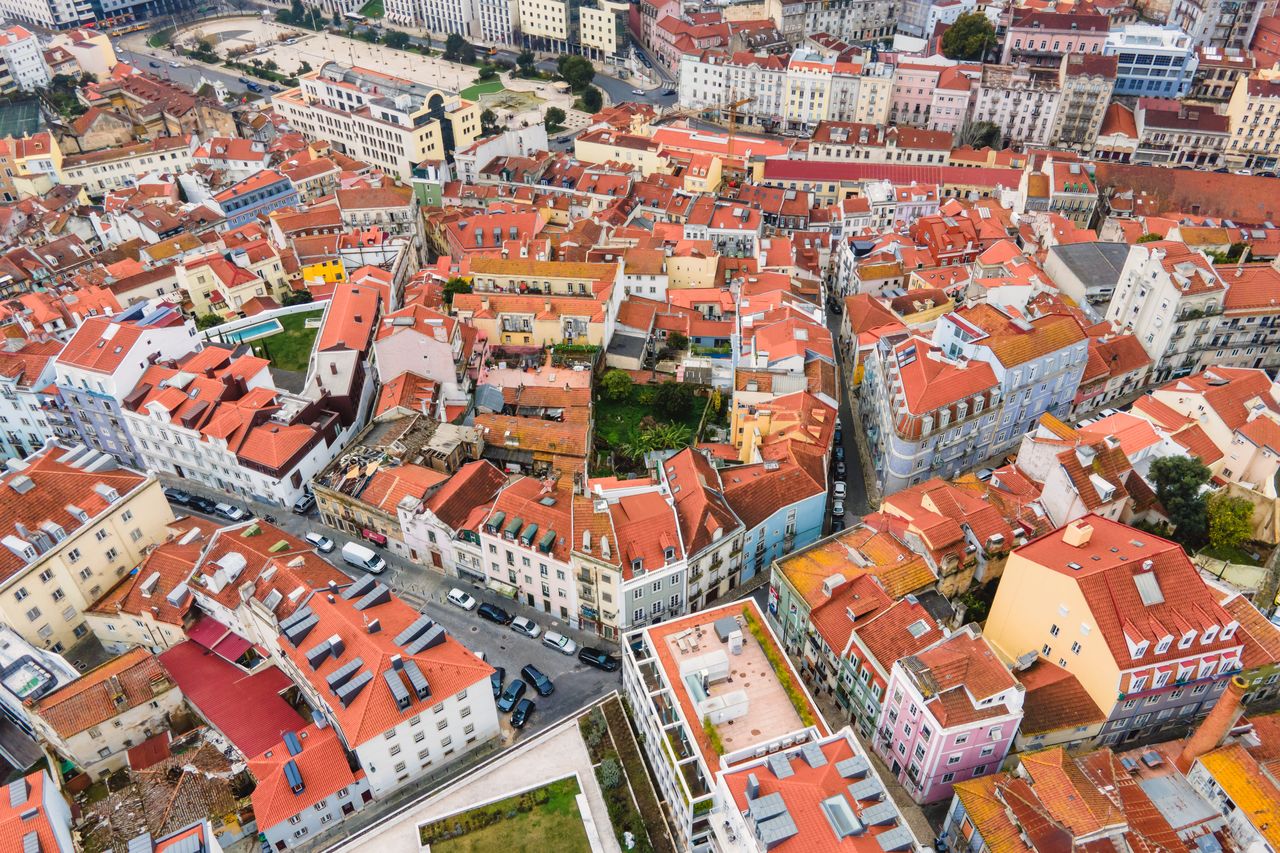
x=813 y=755
x=867 y=789
x=853 y=768
x=779 y=765
x=294 y=777
x=380 y=594
x=767 y=806
x=362 y=585
x=880 y=814
x=349 y=691
x=417 y=680
x=434 y=636
x=776 y=829
x=342 y=674
x=292 y=743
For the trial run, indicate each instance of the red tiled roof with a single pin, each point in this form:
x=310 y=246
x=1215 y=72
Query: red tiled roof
x=89 y=701
x=475 y=484
x=351 y=319
x=321 y=762
x=16 y=822
x=1054 y=700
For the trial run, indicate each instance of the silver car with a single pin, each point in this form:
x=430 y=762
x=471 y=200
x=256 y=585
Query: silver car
x=323 y=544
x=560 y=643
x=527 y=627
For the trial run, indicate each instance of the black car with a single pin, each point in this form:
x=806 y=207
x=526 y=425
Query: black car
x=494 y=614
x=521 y=714
x=539 y=681
x=154 y=64
x=837 y=523
x=242 y=79
x=499 y=675
x=840 y=469
x=177 y=496
x=668 y=92
x=840 y=452
x=204 y=505
x=599 y=659
x=839 y=436
x=511 y=695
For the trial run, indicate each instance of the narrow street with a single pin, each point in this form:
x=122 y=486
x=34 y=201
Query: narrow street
x=856 y=504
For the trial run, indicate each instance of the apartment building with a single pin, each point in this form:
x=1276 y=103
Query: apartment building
x=1170 y=297
x=1153 y=61
x=1217 y=23
x=33 y=674
x=1126 y=613
x=1171 y=133
x=405 y=697
x=386 y=121
x=514 y=319
x=116 y=168
x=49 y=14
x=74 y=524
x=36 y=812
x=255 y=196
x=1248 y=332
x=1042 y=38
x=22 y=60
x=677 y=677
x=950 y=714
x=93 y=721
x=25 y=372
x=489 y=21
x=219 y=420
x=1252 y=110
x=435 y=528
x=1087 y=81
x=1021 y=101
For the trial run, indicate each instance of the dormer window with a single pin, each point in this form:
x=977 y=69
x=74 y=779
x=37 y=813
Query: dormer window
x=1161 y=679
x=669 y=554
x=1164 y=645
x=1138 y=683
x=1140 y=649
x=1229 y=631
x=1209 y=634
x=637 y=565
x=1185 y=642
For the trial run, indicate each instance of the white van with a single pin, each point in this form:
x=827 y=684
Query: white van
x=363 y=558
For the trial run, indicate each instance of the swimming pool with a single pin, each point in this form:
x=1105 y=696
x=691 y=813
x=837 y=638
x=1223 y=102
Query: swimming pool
x=250 y=333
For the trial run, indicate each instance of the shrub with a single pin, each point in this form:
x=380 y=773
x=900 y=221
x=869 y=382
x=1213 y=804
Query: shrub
x=610 y=773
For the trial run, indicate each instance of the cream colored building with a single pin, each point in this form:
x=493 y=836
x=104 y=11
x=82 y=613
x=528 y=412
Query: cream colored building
x=689 y=267
x=602 y=30
x=545 y=24
x=1252 y=109
x=72 y=524
x=94 y=720
x=386 y=121
x=607 y=145
x=114 y=168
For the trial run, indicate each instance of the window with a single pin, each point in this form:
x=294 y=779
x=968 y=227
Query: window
x=33 y=614
x=46 y=576
x=127 y=515
x=395 y=750
x=100 y=534
x=399 y=768
x=20 y=593
x=465 y=712
x=1046 y=650
x=1053 y=630
x=1075 y=648
x=419 y=737
x=111 y=554
x=296 y=819
x=979 y=770
x=73 y=555
x=953 y=759
x=441 y=723
x=320 y=806
x=986 y=751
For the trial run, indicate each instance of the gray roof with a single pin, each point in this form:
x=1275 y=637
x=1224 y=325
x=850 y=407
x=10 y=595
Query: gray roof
x=627 y=346
x=853 y=768
x=1093 y=263
x=898 y=838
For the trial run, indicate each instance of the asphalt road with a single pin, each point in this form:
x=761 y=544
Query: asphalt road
x=576 y=684
x=188 y=74
x=855 y=502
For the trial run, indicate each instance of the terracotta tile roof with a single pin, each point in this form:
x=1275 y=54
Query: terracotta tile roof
x=90 y=700
x=930 y=382
x=1099 y=459
x=262 y=546
x=1229 y=391
x=569 y=437
x=700 y=503
x=985 y=807
x=898 y=569
x=407 y=391
x=1251 y=789
x=1261 y=637
x=644 y=528
x=1148 y=827
x=904 y=628
x=1055 y=700
x=90 y=348
x=171 y=563
x=351 y=318
x=1108 y=562
x=448 y=667
x=322 y=763
x=1013 y=343
x=17 y=822
x=388 y=486
x=965 y=663
x=475 y=484
x=1069 y=797
x=1198 y=444
x=57 y=486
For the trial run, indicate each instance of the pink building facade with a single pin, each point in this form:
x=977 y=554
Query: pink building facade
x=951 y=713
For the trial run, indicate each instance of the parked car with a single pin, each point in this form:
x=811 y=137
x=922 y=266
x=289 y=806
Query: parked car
x=540 y=682
x=154 y=64
x=598 y=658
x=668 y=92
x=204 y=505
x=234 y=513
x=273 y=88
x=840 y=451
x=244 y=80
x=840 y=469
x=840 y=490
x=1106 y=413
x=253 y=87
x=837 y=508
x=520 y=716
x=637 y=91
x=528 y=627
x=177 y=496
x=838 y=438
x=304 y=504
x=496 y=678
x=355 y=554
x=459 y=598
x=494 y=614
x=559 y=642
x=323 y=544
x=175 y=64
x=511 y=695
x=837 y=524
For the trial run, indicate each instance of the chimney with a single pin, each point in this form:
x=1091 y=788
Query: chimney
x=1210 y=734
x=1077 y=534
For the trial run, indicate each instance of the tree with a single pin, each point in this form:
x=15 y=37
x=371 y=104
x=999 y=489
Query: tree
x=678 y=341
x=1230 y=520
x=208 y=321
x=527 y=63
x=337 y=18
x=981 y=134
x=1178 y=482
x=554 y=118
x=969 y=38
x=673 y=399
x=467 y=56
x=296 y=297
x=610 y=773
x=1150 y=238
x=577 y=71
x=488 y=72
x=488 y=122
x=616 y=385
x=296 y=11
x=270 y=65
x=304 y=68
x=396 y=39
x=453 y=46
x=457 y=284
x=592 y=100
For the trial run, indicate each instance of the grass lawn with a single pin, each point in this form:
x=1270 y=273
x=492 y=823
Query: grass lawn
x=554 y=825
x=373 y=9
x=289 y=349
x=615 y=422
x=1239 y=555
x=473 y=93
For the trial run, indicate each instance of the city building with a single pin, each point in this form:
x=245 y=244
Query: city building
x=1087 y=82
x=950 y=714
x=1041 y=38
x=22 y=61
x=1126 y=613
x=405 y=697
x=27 y=674
x=1171 y=133
x=74 y=523
x=699 y=714
x=102 y=363
x=354 y=106
x=255 y=196
x=1020 y=100
x=1252 y=112
x=1153 y=61
x=1169 y=297
x=25 y=372
x=93 y=721
x=35 y=816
